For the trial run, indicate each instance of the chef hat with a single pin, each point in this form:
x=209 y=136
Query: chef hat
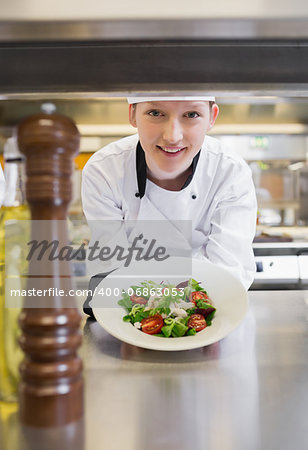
x=208 y=98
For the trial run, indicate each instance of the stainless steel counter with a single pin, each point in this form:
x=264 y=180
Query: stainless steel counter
x=246 y=392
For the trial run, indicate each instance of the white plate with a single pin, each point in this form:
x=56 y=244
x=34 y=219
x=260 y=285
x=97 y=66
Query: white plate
x=227 y=293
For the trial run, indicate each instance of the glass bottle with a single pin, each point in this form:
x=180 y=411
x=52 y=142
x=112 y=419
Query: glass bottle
x=14 y=223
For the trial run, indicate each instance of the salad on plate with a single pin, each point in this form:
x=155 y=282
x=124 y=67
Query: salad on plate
x=168 y=310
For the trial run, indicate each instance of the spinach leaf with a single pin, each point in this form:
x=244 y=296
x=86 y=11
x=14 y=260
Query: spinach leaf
x=126 y=302
x=209 y=318
x=195 y=286
x=179 y=329
x=127 y=318
x=191 y=332
x=167 y=329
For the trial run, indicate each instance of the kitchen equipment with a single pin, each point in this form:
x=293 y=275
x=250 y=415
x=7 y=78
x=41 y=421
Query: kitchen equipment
x=281 y=265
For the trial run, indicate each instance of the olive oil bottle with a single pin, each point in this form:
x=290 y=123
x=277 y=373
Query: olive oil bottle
x=14 y=223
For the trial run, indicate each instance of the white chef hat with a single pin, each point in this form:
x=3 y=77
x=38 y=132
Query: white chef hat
x=208 y=98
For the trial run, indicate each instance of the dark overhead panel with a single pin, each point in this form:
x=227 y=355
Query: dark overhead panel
x=130 y=66
x=253 y=57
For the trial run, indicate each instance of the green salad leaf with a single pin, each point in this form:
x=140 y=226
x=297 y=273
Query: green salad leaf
x=191 y=332
x=195 y=286
x=209 y=318
x=126 y=302
x=174 y=327
x=179 y=329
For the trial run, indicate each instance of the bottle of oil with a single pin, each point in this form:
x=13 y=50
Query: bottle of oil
x=14 y=223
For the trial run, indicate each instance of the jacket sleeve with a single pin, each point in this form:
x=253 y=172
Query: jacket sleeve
x=98 y=199
x=233 y=226
x=104 y=217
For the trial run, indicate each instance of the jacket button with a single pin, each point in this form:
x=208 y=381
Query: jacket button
x=193 y=196
x=137 y=194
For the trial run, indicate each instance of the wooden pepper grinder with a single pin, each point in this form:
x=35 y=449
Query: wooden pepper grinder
x=51 y=387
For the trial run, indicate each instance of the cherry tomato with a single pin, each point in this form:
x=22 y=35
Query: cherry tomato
x=196 y=321
x=152 y=324
x=140 y=300
x=198 y=295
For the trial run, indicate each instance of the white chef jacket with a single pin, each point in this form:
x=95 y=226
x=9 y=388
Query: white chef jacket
x=219 y=201
x=2 y=186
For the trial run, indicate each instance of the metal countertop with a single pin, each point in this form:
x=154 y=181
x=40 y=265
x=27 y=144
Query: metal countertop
x=246 y=392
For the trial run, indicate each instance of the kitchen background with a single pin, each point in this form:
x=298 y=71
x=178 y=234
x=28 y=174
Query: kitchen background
x=85 y=57
x=253 y=55
x=269 y=132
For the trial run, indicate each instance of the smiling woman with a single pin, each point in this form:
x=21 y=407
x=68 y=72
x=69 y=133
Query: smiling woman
x=171 y=171
x=171 y=133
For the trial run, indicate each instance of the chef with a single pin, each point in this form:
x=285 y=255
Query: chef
x=172 y=171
